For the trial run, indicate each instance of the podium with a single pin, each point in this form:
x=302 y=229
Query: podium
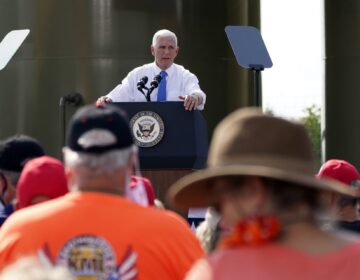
x=172 y=141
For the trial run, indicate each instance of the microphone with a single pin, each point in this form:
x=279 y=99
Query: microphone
x=141 y=84
x=74 y=99
x=155 y=83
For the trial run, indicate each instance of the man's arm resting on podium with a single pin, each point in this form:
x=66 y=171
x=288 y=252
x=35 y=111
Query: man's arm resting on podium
x=103 y=100
x=192 y=102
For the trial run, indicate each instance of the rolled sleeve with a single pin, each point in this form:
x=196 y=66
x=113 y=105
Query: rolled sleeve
x=192 y=87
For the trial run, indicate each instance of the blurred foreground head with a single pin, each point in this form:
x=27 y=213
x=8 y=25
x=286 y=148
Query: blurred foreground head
x=31 y=269
x=100 y=155
x=258 y=165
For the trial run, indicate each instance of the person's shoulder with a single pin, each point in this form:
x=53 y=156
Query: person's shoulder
x=200 y=270
x=173 y=230
x=162 y=215
x=184 y=71
x=144 y=67
x=165 y=220
x=176 y=217
x=180 y=67
x=33 y=214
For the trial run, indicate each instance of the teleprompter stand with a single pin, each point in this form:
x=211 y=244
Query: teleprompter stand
x=250 y=52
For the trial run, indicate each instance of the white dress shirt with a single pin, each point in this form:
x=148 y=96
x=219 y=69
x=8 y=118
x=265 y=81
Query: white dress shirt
x=179 y=81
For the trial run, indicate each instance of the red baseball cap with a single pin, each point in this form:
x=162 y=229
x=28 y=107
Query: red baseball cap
x=41 y=176
x=340 y=170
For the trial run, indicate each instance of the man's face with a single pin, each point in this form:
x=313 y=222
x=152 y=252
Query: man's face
x=7 y=190
x=164 y=52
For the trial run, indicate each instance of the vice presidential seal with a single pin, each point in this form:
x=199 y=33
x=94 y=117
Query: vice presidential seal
x=147 y=128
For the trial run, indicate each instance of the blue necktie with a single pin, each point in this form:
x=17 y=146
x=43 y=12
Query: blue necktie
x=161 y=96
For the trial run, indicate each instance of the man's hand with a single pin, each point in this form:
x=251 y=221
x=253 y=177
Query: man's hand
x=102 y=100
x=191 y=101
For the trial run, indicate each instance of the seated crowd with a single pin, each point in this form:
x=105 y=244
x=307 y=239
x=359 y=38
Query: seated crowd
x=268 y=215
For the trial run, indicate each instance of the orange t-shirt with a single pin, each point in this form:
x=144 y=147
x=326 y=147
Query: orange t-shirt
x=99 y=235
x=278 y=262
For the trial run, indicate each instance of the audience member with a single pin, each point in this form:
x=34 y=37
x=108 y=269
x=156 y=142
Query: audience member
x=14 y=153
x=42 y=179
x=260 y=176
x=94 y=230
x=345 y=208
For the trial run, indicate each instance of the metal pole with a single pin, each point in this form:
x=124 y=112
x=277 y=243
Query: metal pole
x=257 y=97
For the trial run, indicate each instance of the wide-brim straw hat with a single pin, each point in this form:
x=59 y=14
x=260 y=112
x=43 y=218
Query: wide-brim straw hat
x=249 y=142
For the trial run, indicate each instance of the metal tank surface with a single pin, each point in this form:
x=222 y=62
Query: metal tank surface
x=342 y=84
x=89 y=46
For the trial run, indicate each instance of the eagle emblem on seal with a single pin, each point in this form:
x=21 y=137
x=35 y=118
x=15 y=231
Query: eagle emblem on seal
x=145 y=130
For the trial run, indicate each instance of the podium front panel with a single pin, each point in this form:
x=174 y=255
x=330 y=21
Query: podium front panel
x=185 y=140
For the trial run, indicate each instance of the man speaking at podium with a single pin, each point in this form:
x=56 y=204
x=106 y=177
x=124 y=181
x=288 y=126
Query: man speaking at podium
x=161 y=80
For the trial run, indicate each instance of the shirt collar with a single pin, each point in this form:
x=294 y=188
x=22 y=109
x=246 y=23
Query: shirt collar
x=169 y=71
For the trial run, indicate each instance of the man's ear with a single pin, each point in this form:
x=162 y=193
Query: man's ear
x=152 y=49
x=69 y=174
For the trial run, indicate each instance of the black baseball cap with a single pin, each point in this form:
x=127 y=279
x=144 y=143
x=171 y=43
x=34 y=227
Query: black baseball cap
x=17 y=150
x=99 y=129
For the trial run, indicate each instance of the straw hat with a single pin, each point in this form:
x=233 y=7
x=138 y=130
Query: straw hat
x=248 y=142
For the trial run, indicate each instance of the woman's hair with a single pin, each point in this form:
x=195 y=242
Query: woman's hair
x=288 y=196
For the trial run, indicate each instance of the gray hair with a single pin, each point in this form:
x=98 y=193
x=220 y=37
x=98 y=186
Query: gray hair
x=105 y=163
x=164 y=33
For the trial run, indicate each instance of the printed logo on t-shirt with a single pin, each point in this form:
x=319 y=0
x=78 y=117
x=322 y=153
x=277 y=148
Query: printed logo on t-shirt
x=90 y=257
